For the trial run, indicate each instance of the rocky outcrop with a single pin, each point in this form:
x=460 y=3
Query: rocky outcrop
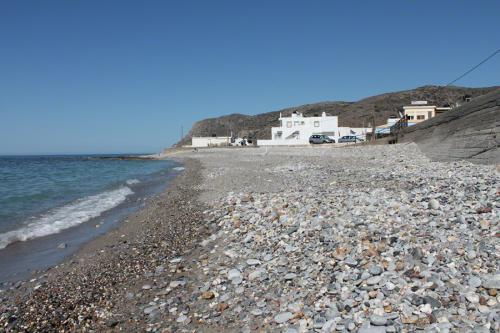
x=353 y=114
x=471 y=131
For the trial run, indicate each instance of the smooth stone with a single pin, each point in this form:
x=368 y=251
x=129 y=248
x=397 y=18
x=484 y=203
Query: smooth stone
x=373 y=280
x=150 y=309
x=350 y=262
x=378 y=320
x=472 y=297
x=319 y=322
x=175 y=284
x=255 y=274
x=474 y=282
x=390 y=286
x=372 y=329
x=376 y=270
x=294 y=307
x=146 y=287
x=233 y=273
x=182 y=318
x=253 y=262
x=491 y=281
x=62 y=246
x=256 y=312
x=434 y=303
x=290 y=276
x=471 y=255
x=283 y=317
x=434 y=204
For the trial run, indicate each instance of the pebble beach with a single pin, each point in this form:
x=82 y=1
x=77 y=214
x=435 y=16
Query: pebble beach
x=316 y=239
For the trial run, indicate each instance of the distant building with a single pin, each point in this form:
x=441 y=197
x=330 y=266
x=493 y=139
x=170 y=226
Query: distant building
x=419 y=111
x=210 y=141
x=296 y=130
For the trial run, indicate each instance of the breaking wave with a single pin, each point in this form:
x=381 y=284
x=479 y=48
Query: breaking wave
x=67 y=216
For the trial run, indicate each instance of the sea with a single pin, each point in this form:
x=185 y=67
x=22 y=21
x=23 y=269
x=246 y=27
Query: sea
x=51 y=205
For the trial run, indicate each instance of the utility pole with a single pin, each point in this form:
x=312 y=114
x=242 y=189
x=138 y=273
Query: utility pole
x=182 y=132
x=374 y=127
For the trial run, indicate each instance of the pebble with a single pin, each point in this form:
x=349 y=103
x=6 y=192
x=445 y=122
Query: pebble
x=395 y=244
x=378 y=320
x=283 y=317
x=233 y=274
x=434 y=204
x=474 y=282
x=491 y=281
x=253 y=262
x=373 y=280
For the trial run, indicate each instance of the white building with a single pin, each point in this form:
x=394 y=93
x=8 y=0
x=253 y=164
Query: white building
x=296 y=130
x=208 y=141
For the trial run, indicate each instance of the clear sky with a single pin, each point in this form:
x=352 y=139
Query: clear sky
x=124 y=76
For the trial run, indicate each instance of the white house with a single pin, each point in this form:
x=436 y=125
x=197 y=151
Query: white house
x=296 y=130
x=209 y=141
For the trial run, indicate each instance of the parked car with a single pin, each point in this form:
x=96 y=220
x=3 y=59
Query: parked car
x=320 y=138
x=350 y=138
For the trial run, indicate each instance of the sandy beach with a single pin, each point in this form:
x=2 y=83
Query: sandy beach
x=367 y=239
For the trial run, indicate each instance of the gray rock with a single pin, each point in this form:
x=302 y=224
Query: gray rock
x=283 y=317
x=253 y=262
x=376 y=270
x=150 y=309
x=256 y=312
x=372 y=329
x=434 y=204
x=373 y=280
x=491 y=281
x=378 y=320
x=474 y=282
x=233 y=274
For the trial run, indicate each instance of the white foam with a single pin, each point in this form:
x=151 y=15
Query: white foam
x=67 y=216
x=132 y=181
x=179 y=168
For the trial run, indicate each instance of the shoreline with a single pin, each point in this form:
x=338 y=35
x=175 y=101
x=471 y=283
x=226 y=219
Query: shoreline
x=362 y=239
x=90 y=274
x=23 y=259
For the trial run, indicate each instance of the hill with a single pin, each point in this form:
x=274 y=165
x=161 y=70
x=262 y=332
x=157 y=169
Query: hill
x=352 y=114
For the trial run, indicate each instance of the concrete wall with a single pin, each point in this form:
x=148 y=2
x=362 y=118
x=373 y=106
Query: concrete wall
x=471 y=131
x=209 y=141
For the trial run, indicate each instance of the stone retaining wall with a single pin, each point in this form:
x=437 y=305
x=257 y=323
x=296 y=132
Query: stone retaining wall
x=471 y=131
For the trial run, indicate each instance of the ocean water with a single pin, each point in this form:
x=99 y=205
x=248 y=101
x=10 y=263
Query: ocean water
x=42 y=196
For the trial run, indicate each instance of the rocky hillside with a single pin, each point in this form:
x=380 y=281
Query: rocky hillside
x=353 y=114
x=471 y=132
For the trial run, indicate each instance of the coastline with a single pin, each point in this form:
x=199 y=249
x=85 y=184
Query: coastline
x=141 y=243
x=367 y=239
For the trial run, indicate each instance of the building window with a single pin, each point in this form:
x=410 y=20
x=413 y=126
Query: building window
x=410 y=117
x=316 y=124
x=288 y=124
x=302 y=122
x=296 y=123
x=420 y=117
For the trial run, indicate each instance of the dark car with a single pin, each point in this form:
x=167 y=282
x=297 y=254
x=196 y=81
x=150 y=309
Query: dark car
x=350 y=138
x=320 y=138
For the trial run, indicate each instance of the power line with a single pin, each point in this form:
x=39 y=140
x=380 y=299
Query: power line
x=473 y=68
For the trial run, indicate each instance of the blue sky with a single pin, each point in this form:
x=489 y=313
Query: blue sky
x=124 y=76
